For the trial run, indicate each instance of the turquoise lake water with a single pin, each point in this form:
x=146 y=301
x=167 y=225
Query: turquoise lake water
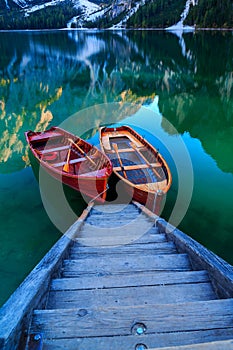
x=177 y=91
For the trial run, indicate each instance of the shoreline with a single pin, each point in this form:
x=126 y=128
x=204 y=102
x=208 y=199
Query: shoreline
x=183 y=30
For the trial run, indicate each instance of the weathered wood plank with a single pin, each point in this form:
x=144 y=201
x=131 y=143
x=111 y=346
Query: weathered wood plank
x=146 y=211
x=132 y=227
x=89 y=230
x=122 y=214
x=214 y=314
x=130 y=342
x=31 y=293
x=115 y=208
x=150 y=262
x=130 y=222
x=219 y=270
x=97 y=238
x=128 y=213
x=78 y=252
x=214 y=345
x=131 y=296
x=130 y=280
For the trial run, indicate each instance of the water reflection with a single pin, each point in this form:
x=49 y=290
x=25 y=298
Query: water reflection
x=47 y=76
x=52 y=75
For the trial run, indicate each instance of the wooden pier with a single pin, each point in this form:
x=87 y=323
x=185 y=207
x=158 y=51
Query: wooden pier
x=122 y=279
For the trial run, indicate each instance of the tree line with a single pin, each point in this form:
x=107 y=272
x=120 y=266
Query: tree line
x=52 y=17
x=212 y=14
x=157 y=14
x=154 y=14
x=164 y=13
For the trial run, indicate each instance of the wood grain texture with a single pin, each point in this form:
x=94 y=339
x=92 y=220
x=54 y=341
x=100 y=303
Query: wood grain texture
x=99 y=237
x=204 y=315
x=118 y=273
x=214 y=345
x=153 y=341
x=149 y=262
x=130 y=279
x=219 y=270
x=144 y=295
x=78 y=252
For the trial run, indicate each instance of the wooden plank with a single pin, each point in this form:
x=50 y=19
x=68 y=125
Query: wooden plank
x=95 y=239
x=121 y=215
x=146 y=211
x=72 y=161
x=111 y=208
x=214 y=345
x=30 y=294
x=45 y=136
x=200 y=315
x=154 y=340
x=153 y=186
x=151 y=231
x=96 y=235
x=55 y=149
x=125 y=150
x=138 y=166
x=144 y=295
x=138 y=150
x=109 y=222
x=78 y=252
x=219 y=270
x=130 y=280
x=150 y=262
x=121 y=210
x=120 y=221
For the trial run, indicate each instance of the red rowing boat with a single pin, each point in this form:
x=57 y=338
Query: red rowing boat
x=144 y=172
x=71 y=160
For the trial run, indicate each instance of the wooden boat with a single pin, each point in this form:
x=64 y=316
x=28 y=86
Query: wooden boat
x=71 y=160
x=143 y=170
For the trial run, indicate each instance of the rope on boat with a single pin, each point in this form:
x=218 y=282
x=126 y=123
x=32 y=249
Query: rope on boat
x=93 y=199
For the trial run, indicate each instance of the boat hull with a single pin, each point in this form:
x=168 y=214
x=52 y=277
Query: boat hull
x=144 y=173
x=91 y=184
x=153 y=201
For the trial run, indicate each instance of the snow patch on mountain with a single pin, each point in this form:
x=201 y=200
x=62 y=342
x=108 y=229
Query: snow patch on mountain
x=131 y=12
x=179 y=26
x=88 y=8
x=90 y=12
x=42 y=6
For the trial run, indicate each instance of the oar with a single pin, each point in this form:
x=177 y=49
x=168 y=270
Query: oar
x=66 y=167
x=147 y=162
x=82 y=151
x=119 y=158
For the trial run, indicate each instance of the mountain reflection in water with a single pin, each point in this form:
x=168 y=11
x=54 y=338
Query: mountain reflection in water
x=46 y=77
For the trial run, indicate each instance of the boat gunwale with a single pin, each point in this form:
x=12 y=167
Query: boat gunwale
x=84 y=176
x=147 y=145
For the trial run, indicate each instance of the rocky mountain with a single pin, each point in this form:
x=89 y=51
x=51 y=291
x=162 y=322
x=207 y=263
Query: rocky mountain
x=116 y=14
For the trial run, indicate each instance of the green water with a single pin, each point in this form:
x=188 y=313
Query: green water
x=46 y=77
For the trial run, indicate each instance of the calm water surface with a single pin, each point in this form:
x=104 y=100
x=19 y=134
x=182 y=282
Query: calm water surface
x=47 y=76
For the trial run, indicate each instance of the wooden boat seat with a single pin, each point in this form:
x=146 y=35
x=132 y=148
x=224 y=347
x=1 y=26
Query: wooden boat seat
x=47 y=136
x=138 y=166
x=56 y=149
x=73 y=161
x=152 y=187
x=125 y=150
